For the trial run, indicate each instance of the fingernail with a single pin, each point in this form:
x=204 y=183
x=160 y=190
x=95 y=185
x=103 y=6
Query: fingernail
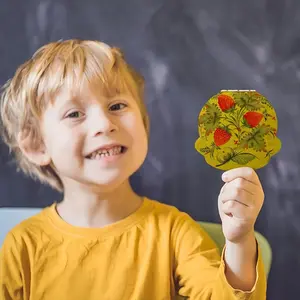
x=224 y=176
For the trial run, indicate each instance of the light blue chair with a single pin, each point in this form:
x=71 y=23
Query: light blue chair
x=10 y=217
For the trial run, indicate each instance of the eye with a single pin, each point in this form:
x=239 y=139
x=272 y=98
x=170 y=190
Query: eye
x=74 y=115
x=117 y=106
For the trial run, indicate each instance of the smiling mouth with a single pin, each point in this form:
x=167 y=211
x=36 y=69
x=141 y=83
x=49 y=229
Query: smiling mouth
x=113 y=151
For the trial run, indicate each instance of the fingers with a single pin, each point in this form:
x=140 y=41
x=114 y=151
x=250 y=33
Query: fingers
x=244 y=172
x=236 y=209
x=239 y=197
x=235 y=194
x=241 y=183
x=235 y=188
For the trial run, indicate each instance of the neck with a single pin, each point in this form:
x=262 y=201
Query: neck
x=86 y=208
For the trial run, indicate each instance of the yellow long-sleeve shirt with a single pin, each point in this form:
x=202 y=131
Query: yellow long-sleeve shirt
x=149 y=255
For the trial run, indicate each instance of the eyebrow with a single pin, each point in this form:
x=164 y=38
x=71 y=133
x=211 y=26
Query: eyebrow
x=121 y=96
x=69 y=101
x=65 y=103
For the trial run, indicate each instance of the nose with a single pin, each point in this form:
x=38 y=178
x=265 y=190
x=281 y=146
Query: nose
x=101 y=122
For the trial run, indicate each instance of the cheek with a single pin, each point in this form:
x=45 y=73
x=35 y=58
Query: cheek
x=61 y=141
x=140 y=137
x=64 y=141
x=134 y=121
x=136 y=127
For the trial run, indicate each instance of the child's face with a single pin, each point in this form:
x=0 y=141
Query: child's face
x=74 y=128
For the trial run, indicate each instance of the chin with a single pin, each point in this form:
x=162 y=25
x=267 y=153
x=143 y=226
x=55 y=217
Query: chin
x=107 y=180
x=106 y=187
x=109 y=183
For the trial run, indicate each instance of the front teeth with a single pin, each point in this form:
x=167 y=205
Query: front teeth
x=104 y=153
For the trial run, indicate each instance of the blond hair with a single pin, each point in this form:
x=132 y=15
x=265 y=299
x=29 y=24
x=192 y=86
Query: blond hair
x=38 y=80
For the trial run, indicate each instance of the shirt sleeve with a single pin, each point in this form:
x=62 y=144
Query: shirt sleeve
x=11 y=278
x=200 y=270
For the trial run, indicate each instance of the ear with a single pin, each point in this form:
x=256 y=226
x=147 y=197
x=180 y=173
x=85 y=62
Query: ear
x=34 y=149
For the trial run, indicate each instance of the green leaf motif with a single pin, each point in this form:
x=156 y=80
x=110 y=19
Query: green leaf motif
x=205 y=150
x=243 y=158
x=254 y=140
x=265 y=129
x=248 y=102
x=265 y=101
x=211 y=118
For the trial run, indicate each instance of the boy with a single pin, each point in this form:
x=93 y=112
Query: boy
x=74 y=117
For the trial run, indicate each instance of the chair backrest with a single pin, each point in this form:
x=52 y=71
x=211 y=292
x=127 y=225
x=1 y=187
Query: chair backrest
x=215 y=232
x=9 y=217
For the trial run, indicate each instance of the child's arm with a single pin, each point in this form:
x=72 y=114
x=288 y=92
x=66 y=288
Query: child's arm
x=239 y=274
x=240 y=261
x=11 y=282
x=200 y=271
x=240 y=202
